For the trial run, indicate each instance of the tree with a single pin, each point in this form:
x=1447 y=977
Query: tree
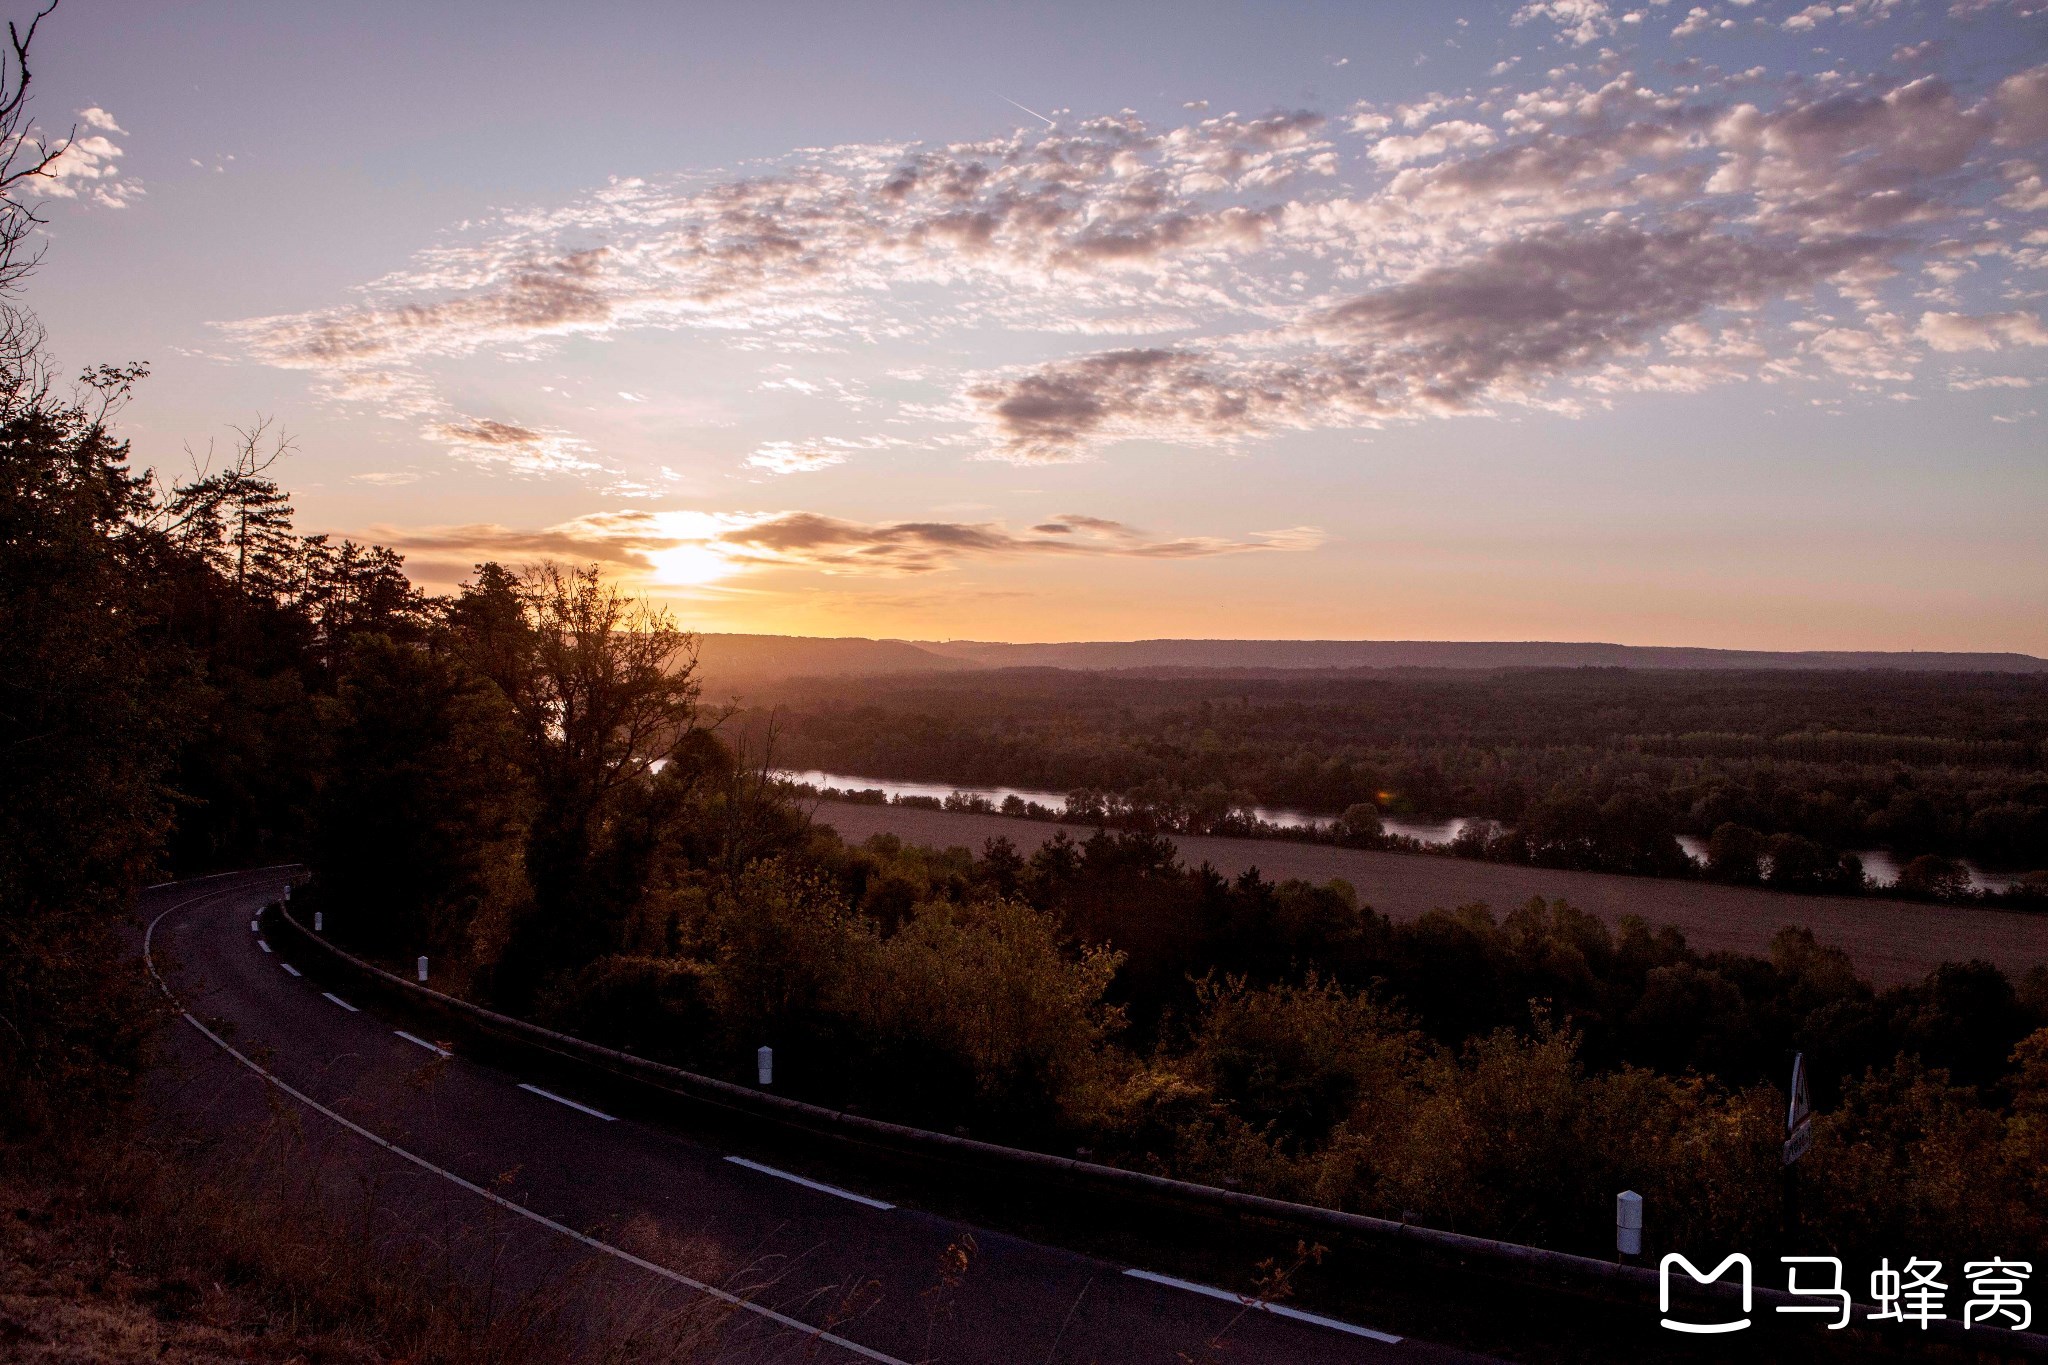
x=490 y=629
x=419 y=822
x=356 y=590
x=608 y=698
x=25 y=158
x=237 y=519
x=1930 y=874
x=90 y=704
x=1735 y=854
x=1796 y=864
x=89 y=700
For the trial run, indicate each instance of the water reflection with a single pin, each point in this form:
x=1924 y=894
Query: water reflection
x=1881 y=867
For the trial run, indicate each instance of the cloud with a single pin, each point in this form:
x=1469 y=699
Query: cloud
x=685 y=548
x=1854 y=160
x=2022 y=107
x=533 y=296
x=1986 y=332
x=1701 y=20
x=1089 y=214
x=87 y=166
x=1809 y=18
x=1499 y=327
x=790 y=457
x=526 y=450
x=1228 y=275
x=1578 y=21
x=1431 y=143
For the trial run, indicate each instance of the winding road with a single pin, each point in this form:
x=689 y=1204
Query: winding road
x=784 y=1268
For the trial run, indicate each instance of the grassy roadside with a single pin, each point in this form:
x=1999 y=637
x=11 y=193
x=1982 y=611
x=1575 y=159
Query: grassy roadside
x=132 y=1250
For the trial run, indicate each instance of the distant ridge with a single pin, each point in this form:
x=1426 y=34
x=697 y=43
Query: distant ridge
x=742 y=658
x=1293 y=654
x=751 y=658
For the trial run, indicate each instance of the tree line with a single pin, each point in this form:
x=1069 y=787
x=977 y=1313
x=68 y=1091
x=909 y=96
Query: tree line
x=1785 y=773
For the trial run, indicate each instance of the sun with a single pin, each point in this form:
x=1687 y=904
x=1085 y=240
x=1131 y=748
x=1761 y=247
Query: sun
x=688 y=566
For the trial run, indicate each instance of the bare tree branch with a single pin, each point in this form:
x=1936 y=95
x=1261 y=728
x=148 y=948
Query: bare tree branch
x=25 y=156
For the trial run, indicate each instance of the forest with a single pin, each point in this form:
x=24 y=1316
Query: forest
x=1782 y=774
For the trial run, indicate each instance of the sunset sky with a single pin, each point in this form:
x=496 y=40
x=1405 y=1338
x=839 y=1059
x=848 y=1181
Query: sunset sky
x=1655 y=323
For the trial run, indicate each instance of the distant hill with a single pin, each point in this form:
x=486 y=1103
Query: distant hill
x=740 y=658
x=725 y=660
x=1348 y=654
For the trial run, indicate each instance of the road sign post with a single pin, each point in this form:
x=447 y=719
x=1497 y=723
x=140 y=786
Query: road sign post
x=1798 y=1138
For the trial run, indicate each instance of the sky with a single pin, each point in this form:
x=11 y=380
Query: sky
x=1716 y=324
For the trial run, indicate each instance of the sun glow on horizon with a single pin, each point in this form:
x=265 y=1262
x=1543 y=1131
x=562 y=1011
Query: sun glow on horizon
x=688 y=566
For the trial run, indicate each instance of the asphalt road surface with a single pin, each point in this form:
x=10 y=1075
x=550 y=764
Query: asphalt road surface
x=789 y=1270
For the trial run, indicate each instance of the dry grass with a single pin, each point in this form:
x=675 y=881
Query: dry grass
x=136 y=1253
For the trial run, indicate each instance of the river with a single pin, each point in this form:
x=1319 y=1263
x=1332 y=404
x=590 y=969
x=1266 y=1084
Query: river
x=1881 y=866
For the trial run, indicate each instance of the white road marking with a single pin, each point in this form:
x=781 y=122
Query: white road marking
x=431 y=1047
x=261 y=944
x=549 y=1094
x=809 y=1184
x=1278 y=1310
x=341 y=1002
x=289 y=967
x=214 y=877
x=711 y=1291
x=253 y=928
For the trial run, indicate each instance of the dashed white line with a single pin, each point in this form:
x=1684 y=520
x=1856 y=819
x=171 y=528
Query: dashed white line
x=290 y=968
x=724 y=1296
x=1278 y=1310
x=809 y=1184
x=253 y=927
x=341 y=1002
x=421 y=1042
x=261 y=944
x=549 y=1094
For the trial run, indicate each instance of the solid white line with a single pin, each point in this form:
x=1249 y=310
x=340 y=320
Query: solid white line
x=431 y=1047
x=214 y=877
x=809 y=1184
x=711 y=1291
x=341 y=1002
x=261 y=944
x=549 y=1094
x=289 y=967
x=1279 y=1310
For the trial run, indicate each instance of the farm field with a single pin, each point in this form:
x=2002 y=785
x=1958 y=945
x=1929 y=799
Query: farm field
x=1891 y=941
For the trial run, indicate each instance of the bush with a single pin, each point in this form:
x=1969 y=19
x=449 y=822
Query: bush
x=985 y=986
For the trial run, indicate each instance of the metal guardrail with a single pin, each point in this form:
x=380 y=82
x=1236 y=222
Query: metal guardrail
x=1512 y=1257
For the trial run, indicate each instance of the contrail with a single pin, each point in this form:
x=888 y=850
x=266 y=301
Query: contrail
x=1029 y=110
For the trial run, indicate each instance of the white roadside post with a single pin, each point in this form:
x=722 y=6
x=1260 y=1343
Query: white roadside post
x=287 y=893
x=319 y=922
x=764 y=1064
x=1628 y=1223
x=423 y=969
